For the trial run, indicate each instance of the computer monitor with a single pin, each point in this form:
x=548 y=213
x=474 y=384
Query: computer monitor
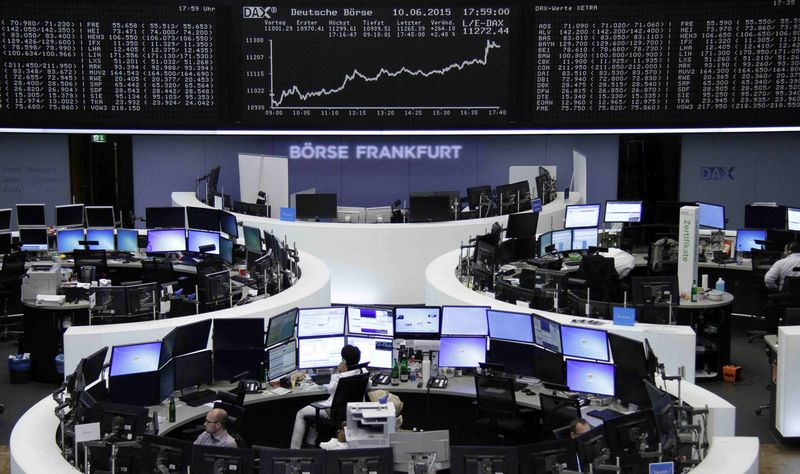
x=462 y=352
x=30 y=215
x=510 y=326
x=165 y=217
x=5 y=219
x=584 y=342
x=582 y=215
x=202 y=218
x=232 y=362
x=314 y=322
x=375 y=350
x=67 y=240
x=316 y=206
x=370 y=321
x=793 y=218
x=214 y=459
x=290 y=461
x=104 y=238
x=591 y=447
x=319 y=352
x=547 y=333
x=482 y=459
x=516 y=358
x=33 y=239
x=70 y=215
x=429 y=209
x=192 y=370
x=161 y=454
x=238 y=333
x=629 y=387
x=228 y=224
x=5 y=243
x=522 y=225
x=428 y=448
x=655 y=290
x=623 y=211
x=128 y=240
x=584 y=237
x=134 y=358
x=746 y=239
x=479 y=196
x=352 y=461
x=590 y=377
x=548 y=366
x=143 y=298
x=355 y=215
x=764 y=217
x=110 y=301
x=226 y=250
x=91 y=366
x=663 y=414
x=417 y=322
x=379 y=214
x=252 y=239
x=514 y=197
x=562 y=239
x=628 y=353
x=548 y=457
x=625 y=434
x=185 y=339
x=281 y=359
x=166 y=240
x=545 y=240
x=464 y=321
x=711 y=215
x=280 y=327
x=118 y=421
x=100 y=216
x=199 y=238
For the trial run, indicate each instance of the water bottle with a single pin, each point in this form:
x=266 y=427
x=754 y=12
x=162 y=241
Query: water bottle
x=720 y=286
x=172 y=408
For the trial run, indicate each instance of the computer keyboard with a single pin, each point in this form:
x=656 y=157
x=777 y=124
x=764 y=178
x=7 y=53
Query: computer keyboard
x=605 y=414
x=243 y=280
x=200 y=397
x=321 y=379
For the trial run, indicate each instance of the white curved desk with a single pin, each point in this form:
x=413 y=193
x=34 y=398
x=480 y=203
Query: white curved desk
x=311 y=290
x=382 y=263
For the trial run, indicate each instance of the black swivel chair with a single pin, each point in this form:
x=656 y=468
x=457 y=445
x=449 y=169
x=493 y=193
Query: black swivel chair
x=10 y=287
x=761 y=261
x=601 y=277
x=557 y=412
x=349 y=389
x=96 y=258
x=498 y=412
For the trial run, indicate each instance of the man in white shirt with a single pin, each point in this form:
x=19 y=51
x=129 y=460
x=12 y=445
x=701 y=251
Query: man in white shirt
x=783 y=268
x=215 y=433
x=351 y=355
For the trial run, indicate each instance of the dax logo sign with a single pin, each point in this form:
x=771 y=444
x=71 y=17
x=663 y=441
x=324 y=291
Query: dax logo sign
x=716 y=173
x=259 y=12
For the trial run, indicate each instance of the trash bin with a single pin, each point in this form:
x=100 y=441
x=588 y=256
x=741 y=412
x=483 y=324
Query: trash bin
x=19 y=369
x=60 y=364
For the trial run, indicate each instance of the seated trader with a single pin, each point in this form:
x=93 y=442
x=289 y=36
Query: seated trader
x=215 y=433
x=351 y=355
x=783 y=267
x=577 y=427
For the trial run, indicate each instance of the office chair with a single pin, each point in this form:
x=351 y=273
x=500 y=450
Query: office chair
x=562 y=433
x=767 y=307
x=10 y=287
x=557 y=412
x=498 y=411
x=601 y=277
x=159 y=271
x=96 y=258
x=349 y=389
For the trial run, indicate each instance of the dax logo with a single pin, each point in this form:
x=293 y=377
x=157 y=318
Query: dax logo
x=716 y=173
x=259 y=12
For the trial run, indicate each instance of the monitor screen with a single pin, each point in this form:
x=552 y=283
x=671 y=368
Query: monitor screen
x=745 y=239
x=100 y=216
x=286 y=461
x=280 y=327
x=522 y=225
x=166 y=240
x=547 y=333
x=202 y=218
x=104 y=238
x=5 y=243
x=628 y=353
x=192 y=369
x=584 y=342
x=239 y=333
x=510 y=326
x=5 y=219
x=629 y=387
x=711 y=215
x=462 y=352
x=226 y=250
x=315 y=206
x=319 y=352
x=590 y=377
x=227 y=223
x=312 y=322
x=793 y=218
x=545 y=240
x=30 y=215
x=562 y=239
x=128 y=240
x=135 y=358
x=282 y=360
x=167 y=454
x=375 y=350
x=199 y=238
x=165 y=217
x=417 y=322
x=252 y=239
x=67 y=240
x=69 y=216
x=582 y=215
x=429 y=209
x=370 y=321
x=764 y=217
x=623 y=211
x=584 y=238
x=217 y=459
x=464 y=321
x=231 y=362
x=185 y=339
x=33 y=239
x=548 y=366
x=515 y=358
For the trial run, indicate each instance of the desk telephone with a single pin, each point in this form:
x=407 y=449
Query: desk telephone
x=250 y=386
x=381 y=379
x=437 y=382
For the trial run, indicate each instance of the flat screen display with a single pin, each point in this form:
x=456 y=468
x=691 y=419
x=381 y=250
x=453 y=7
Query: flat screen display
x=69 y=216
x=227 y=222
x=316 y=206
x=67 y=240
x=547 y=333
x=562 y=239
x=711 y=215
x=165 y=217
x=5 y=219
x=192 y=369
x=100 y=216
x=420 y=322
x=128 y=240
x=585 y=343
x=516 y=358
x=375 y=350
x=545 y=240
x=135 y=358
x=5 y=243
x=793 y=218
x=582 y=215
x=590 y=377
x=746 y=239
x=30 y=215
x=548 y=366
x=464 y=321
x=166 y=240
x=226 y=250
x=462 y=352
x=252 y=239
x=199 y=238
x=238 y=333
x=522 y=225
x=33 y=239
x=104 y=238
x=282 y=360
x=312 y=322
x=584 y=238
x=281 y=327
x=319 y=352
x=370 y=321
x=510 y=326
x=623 y=211
x=202 y=218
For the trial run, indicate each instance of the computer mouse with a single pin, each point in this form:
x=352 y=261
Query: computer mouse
x=419 y=384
